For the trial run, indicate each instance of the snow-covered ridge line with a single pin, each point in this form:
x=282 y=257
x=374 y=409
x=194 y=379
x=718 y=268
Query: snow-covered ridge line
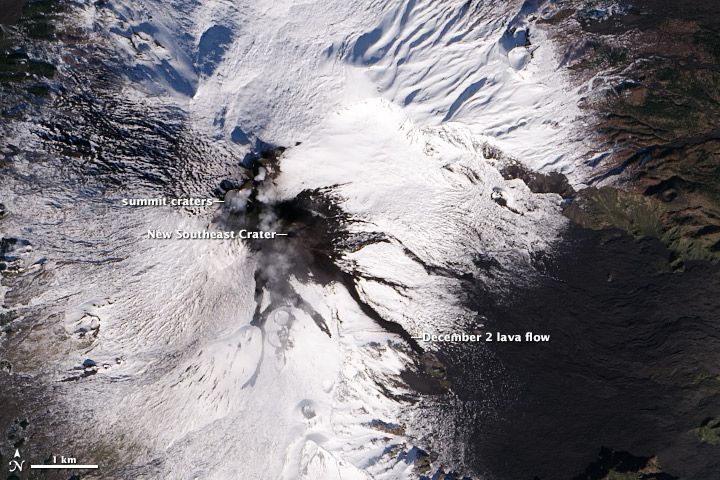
x=272 y=72
x=483 y=64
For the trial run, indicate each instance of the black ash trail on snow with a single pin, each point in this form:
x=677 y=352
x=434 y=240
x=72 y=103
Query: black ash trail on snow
x=317 y=235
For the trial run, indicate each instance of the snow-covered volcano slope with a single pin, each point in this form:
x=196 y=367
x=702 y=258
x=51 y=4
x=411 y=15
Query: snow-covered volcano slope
x=431 y=193
x=273 y=69
x=208 y=394
x=393 y=103
x=197 y=387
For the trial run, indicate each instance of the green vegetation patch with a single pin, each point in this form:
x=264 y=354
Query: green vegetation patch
x=38 y=19
x=681 y=226
x=613 y=475
x=20 y=71
x=709 y=431
x=706 y=379
x=17 y=67
x=601 y=208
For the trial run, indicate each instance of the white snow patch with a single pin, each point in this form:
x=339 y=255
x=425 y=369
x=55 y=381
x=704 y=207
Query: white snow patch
x=277 y=69
x=432 y=193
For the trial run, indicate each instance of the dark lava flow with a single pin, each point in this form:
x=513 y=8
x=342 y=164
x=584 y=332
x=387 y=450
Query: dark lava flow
x=318 y=233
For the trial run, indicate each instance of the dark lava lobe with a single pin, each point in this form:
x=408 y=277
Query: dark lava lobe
x=318 y=234
x=10 y=11
x=537 y=182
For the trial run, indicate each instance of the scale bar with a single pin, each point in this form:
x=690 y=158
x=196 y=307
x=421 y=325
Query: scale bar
x=64 y=466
